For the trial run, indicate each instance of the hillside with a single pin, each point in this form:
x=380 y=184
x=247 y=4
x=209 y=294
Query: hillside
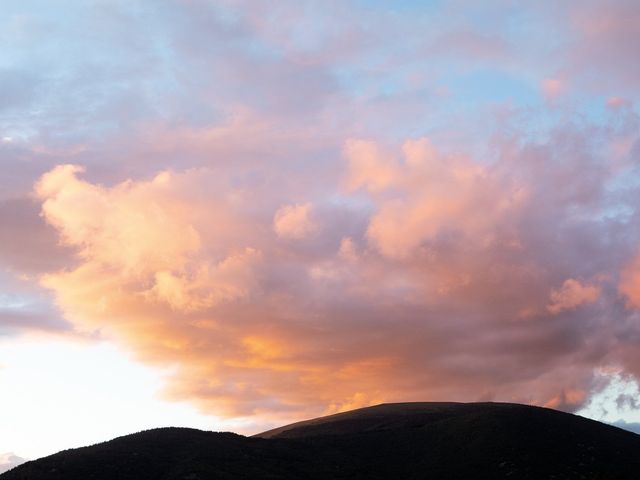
x=390 y=441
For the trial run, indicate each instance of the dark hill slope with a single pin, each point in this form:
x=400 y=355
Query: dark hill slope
x=473 y=440
x=391 y=441
x=171 y=453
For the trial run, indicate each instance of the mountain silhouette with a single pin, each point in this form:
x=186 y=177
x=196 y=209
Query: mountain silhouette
x=390 y=441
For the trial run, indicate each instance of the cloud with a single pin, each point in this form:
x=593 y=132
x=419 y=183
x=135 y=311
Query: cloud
x=369 y=167
x=571 y=295
x=430 y=195
x=604 y=35
x=629 y=285
x=348 y=249
x=25 y=308
x=27 y=244
x=294 y=221
x=442 y=293
x=280 y=202
x=142 y=233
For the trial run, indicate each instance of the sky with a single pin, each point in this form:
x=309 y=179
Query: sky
x=235 y=214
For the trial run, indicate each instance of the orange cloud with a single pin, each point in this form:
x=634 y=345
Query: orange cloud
x=567 y=398
x=128 y=227
x=153 y=274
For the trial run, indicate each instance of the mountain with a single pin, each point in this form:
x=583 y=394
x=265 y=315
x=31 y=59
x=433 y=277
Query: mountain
x=390 y=441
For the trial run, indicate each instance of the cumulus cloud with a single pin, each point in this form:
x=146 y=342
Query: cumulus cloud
x=145 y=235
x=431 y=195
x=443 y=294
x=140 y=232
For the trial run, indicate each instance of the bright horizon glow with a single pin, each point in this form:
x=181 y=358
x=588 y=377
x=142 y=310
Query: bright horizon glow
x=59 y=394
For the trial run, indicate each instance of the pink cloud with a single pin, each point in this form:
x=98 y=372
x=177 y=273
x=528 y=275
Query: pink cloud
x=424 y=300
x=629 y=285
x=433 y=194
x=295 y=221
x=369 y=166
x=571 y=295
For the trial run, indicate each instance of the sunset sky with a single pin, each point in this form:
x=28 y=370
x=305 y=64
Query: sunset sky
x=235 y=214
